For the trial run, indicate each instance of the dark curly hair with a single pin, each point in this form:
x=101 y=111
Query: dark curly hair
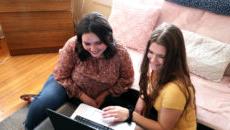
x=97 y=24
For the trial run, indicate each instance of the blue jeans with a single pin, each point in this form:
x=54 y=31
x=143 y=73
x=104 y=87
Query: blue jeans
x=52 y=96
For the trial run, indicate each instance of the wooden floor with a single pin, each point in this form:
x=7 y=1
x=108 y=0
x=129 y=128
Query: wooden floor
x=20 y=75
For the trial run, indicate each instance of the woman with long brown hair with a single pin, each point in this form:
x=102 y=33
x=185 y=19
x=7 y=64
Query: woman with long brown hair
x=167 y=100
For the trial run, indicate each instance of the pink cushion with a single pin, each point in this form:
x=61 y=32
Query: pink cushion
x=132 y=22
x=215 y=26
x=183 y=17
x=196 y=20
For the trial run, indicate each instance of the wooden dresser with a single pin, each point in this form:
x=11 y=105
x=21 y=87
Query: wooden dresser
x=36 y=26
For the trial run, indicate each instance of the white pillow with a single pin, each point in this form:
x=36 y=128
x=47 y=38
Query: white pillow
x=206 y=57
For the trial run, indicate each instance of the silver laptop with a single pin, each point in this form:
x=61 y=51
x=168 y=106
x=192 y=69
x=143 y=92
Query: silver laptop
x=95 y=115
x=62 y=122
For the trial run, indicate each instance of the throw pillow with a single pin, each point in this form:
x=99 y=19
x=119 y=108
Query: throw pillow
x=206 y=57
x=132 y=22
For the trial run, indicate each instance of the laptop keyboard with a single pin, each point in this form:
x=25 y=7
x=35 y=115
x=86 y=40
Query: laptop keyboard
x=92 y=124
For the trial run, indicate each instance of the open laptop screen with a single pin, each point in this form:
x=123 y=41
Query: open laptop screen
x=62 y=122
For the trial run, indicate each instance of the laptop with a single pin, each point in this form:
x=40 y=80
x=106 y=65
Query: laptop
x=94 y=114
x=62 y=122
x=86 y=117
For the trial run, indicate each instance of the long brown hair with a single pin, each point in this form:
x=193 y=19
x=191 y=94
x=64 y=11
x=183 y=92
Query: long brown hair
x=174 y=68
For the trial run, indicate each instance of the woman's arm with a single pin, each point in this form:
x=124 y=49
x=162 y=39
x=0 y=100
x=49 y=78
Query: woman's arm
x=166 y=121
x=172 y=105
x=172 y=101
x=64 y=67
x=126 y=73
x=140 y=105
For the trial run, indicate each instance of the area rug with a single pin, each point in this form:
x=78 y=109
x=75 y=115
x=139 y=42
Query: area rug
x=15 y=121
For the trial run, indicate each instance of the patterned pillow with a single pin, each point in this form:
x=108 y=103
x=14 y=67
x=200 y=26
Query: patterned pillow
x=206 y=57
x=215 y=6
x=132 y=22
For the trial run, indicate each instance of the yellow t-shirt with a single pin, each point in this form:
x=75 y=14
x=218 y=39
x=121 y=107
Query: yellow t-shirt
x=172 y=97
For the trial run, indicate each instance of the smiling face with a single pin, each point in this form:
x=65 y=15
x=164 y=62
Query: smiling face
x=93 y=45
x=156 y=55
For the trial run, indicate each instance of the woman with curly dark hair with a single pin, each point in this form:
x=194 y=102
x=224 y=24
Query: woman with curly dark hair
x=91 y=68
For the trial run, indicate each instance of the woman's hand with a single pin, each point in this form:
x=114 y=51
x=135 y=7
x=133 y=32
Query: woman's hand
x=88 y=100
x=118 y=113
x=139 y=108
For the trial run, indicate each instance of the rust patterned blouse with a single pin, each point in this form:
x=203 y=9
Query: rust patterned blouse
x=94 y=75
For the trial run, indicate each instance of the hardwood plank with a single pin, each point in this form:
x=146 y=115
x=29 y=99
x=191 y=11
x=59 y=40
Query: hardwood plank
x=19 y=75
